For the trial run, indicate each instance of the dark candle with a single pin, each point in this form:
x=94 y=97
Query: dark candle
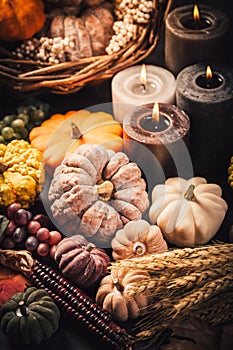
x=150 y=124
x=159 y=147
x=196 y=24
x=209 y=83
x=209 y=104
x=189 y=40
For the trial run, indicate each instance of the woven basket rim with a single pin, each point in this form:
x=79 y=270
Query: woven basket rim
x=25 y=76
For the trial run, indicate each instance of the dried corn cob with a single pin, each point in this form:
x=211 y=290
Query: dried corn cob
x=80 y=307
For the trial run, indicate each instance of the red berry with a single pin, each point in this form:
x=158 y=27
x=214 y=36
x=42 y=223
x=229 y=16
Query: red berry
x=33 y=226
x=54 y=237
x=43 y=249
x=42 y=234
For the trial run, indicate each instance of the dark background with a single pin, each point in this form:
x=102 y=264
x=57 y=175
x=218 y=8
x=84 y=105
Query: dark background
x=70 y=336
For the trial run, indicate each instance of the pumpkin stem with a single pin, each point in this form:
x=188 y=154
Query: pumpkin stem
x=189 y=195
x=117 y=284
x=75 y=132
x=139 y=248
x=89 y=247
x=3 y=167
x=22 y=308
x=105 y=190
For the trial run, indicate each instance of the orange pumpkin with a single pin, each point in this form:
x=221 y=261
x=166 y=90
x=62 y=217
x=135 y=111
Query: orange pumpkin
x=62 y=134
x=20 y=19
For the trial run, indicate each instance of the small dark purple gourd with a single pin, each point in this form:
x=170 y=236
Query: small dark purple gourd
x=80 y=261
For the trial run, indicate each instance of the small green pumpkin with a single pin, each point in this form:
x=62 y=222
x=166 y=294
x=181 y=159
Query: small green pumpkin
x=29 y=317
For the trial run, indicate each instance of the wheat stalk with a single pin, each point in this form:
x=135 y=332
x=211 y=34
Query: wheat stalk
x=212 y=303
x=190 y=281
x=181 y=258
x=173 y=284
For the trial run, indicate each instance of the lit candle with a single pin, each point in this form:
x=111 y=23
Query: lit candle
x=139 y=85
x=155 y=121
x=156 y=136
x=208 y=80
x=194 y=34
x=206 y=95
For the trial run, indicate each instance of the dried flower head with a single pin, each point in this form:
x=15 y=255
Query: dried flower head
x=130 y=14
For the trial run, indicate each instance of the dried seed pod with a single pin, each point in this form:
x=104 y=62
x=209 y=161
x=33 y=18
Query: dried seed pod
x=130 y=16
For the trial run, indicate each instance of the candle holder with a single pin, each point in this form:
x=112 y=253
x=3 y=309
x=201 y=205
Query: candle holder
x=188 y=41
x=159 y=148
x=210 y=108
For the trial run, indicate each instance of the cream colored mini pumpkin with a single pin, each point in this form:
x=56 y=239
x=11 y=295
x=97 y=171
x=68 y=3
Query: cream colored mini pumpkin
x=188 y=212
x=137 y=238
x=113 y=294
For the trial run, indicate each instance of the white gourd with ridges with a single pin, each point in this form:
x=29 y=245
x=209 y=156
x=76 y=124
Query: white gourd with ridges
x=137 y=238
x=188 y=212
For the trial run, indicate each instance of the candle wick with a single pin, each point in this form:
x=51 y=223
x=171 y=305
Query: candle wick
x=196 y=23
x=143 y=87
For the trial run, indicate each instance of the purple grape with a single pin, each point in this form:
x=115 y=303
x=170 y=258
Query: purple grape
x=42 y=219
x=7 y=243
x=10 y=228
x=29 y=214
x=22 y=217
x=19 y=234
x=31 y=243
x=12 y=209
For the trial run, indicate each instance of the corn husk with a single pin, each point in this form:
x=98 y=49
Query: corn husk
x=17 y=260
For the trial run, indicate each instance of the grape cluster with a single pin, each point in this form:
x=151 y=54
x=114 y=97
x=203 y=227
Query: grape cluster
x=17 y=126
x=30 y=232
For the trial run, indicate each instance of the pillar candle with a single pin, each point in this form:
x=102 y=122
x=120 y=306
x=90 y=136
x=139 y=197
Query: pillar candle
x=188 y=41
x=128 y=91
x=160 y=148
x=209 y=104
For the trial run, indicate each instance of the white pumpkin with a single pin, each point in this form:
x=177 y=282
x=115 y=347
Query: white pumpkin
x=137 y=238
x=113 y=294
x=188 y=212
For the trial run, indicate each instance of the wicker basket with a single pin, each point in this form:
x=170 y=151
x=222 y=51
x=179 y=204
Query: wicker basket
x=25 y=76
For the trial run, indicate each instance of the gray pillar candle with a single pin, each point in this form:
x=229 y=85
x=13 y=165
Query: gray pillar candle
x=188 y=41
x=209 y=104
x=159 y=148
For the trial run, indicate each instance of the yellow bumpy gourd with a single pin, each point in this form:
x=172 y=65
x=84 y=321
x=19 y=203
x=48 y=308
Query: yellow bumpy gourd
x=230 y=173
x=21 y=173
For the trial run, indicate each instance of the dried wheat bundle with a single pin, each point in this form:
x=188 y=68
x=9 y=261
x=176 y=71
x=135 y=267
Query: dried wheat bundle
x=184 y=282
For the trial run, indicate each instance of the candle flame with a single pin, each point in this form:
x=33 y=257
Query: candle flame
x=208 y=73
x=155 y=112
x=143 y=77
x=196 y=15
